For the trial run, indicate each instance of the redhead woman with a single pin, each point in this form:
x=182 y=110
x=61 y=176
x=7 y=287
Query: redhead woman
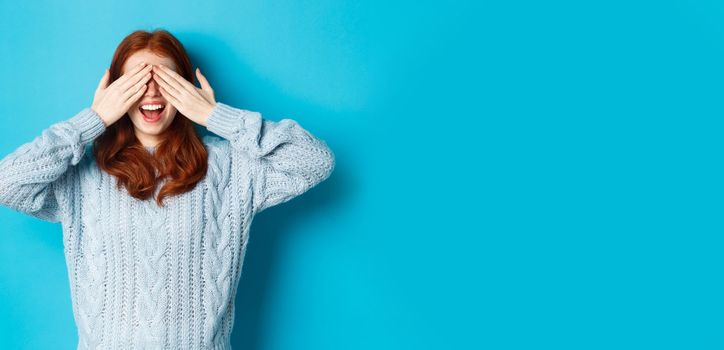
x=156 y=218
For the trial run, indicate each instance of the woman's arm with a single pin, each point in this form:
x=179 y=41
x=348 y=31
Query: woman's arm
x=288 y=160
x=31 y=176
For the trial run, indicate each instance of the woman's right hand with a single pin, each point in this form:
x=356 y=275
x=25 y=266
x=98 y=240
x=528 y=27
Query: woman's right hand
x=112 y=102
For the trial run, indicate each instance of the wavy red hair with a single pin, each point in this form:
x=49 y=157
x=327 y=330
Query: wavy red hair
x=180 y=157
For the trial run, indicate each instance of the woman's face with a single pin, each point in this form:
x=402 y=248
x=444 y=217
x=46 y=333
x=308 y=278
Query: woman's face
x=148 y=124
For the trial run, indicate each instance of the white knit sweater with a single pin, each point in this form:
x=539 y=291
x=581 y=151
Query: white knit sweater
x=147 y=277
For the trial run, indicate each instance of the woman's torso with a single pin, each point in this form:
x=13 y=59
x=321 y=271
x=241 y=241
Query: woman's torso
x=160 y=277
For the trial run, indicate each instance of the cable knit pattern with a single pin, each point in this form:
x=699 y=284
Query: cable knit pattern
x=146 y=277
x=152 y=273
x=92 y=271
x=217 y=245
x=285 y=159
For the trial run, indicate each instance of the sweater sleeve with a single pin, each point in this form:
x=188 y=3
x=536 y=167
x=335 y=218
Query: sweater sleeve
x=31 y=175
x=286 y=159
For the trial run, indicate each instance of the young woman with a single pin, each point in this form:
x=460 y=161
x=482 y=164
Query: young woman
x=156 y=218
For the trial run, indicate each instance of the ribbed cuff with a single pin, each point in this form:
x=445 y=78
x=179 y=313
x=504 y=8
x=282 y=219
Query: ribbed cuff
x=89 y=124
x=225 y=121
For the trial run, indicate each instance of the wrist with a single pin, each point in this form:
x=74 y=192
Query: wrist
x=105 y=123
x=89 y=124
x=207 y=114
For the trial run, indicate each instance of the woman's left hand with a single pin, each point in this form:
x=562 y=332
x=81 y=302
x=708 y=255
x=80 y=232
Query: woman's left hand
x=196 y=104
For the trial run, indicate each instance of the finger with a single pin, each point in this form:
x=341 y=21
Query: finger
x=135 y=78
x=171 y=85
x=130 y=73
x=104 y=81
x=135 y=96
x=132 y=91
x=169 y=88
x=202 y=80
x=174 y=101
x=175 y=80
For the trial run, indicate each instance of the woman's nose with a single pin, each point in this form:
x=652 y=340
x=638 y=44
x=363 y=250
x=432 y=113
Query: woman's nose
x=152 y=87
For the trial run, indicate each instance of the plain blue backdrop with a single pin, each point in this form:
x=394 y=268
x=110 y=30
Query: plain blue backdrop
x=510 y=175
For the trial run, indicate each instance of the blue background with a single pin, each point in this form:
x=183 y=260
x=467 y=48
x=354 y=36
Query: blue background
x=510 y=175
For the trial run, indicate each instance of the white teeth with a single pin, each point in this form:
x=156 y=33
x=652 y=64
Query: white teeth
x=151 y=107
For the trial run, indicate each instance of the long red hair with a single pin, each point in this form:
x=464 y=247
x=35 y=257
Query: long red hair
x=180 y=157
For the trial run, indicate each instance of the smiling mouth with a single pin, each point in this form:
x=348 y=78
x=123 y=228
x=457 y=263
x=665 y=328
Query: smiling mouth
x=152 y=115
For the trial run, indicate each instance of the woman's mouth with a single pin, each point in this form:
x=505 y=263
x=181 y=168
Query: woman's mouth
x=152 y=112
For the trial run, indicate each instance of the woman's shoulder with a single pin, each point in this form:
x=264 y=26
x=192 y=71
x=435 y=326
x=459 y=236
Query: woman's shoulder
x=216 y=146
x=87 y=167
x=79 y=175
x=215 y=141
x=218 y=149
x=223 y=147
x=222 y=154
